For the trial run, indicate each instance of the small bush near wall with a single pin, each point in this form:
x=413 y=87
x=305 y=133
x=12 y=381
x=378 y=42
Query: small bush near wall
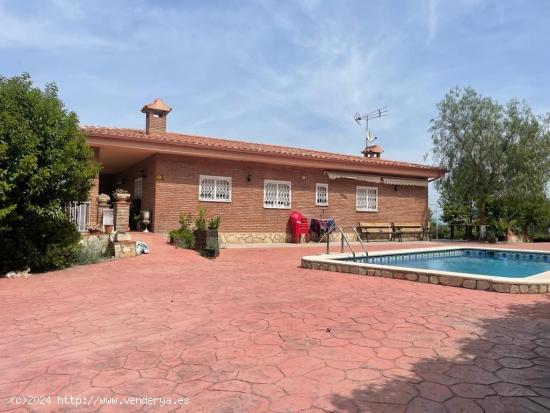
x=60 y=249
x=93 y=249
x=43 y=245
x=183 y=236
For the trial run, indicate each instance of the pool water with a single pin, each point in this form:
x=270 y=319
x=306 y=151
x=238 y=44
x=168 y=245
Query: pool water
x=482 y=262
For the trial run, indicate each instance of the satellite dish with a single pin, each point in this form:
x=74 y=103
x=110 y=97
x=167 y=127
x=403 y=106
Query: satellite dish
x=378 y=113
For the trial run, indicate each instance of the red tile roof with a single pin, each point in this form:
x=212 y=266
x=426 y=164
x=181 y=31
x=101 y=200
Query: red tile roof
x=242 y=146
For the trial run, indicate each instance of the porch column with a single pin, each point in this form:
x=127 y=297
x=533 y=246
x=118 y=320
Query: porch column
x=102 y=204
x=122 y=215
x=92 y=197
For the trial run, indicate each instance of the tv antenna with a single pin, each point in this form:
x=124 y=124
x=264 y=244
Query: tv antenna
x=378 y=113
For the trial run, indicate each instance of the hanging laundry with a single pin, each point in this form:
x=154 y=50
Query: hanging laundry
x=318 y=227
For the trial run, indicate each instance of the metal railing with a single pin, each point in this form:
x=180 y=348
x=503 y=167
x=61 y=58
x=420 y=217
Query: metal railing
x=344 y=238
x=79 y=215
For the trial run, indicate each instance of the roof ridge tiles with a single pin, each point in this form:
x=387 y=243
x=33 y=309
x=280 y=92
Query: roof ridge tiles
x=231 y=144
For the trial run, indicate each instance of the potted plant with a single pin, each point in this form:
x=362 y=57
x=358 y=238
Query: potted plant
x=212 y=248
x=103 y=199
x=121 y=194
x=200 y=230
x=94 y=229
x=213 y=226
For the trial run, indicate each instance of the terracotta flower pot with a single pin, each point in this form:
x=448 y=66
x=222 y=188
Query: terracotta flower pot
x=121 y=196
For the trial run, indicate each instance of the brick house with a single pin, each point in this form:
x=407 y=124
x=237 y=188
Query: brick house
x=252 y=187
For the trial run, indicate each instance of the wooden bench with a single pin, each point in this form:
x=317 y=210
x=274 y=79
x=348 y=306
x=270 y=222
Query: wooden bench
x=410 y=228
x=368 y=229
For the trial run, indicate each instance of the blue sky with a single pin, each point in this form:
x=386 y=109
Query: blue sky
x=284 y=72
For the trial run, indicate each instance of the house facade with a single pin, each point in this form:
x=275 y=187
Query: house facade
x=252 y=187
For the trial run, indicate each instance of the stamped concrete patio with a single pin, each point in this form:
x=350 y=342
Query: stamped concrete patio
x=253 y=332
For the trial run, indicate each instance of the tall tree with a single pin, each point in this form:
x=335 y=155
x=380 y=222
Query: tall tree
x=44 y=164
x=491 y=151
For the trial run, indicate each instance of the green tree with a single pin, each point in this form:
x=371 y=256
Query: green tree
x=524 y=215
x=44 y=164
x=490 y=151
x=457 y=214
x=432 y=222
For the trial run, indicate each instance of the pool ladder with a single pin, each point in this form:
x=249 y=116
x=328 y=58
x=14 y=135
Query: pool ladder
x=344 y=238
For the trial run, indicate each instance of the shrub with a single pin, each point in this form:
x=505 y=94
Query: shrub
x=40 y=244
x=182 y=238
x=90 y=252
x=186 y=221
x=441 y=231
x=44 y=164
x=541 y=237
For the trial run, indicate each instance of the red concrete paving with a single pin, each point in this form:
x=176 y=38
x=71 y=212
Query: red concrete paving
x=253 y=332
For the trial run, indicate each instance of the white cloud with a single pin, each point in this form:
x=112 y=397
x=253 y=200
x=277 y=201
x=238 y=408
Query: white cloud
x=52 y=28
x=341 y=70
x=433 y=19
x=291 y=75
x=282 y=72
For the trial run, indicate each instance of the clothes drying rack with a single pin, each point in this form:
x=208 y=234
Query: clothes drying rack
x=329 y=230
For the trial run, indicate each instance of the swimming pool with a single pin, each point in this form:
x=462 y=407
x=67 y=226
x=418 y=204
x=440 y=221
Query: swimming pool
x=500 y=270
x=471 y=261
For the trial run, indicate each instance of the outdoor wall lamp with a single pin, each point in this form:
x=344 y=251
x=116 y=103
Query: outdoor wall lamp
x=249 y=177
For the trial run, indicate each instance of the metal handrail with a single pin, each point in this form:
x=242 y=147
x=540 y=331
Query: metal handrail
x=358 y=238
x=345 y=238
x=327 y=234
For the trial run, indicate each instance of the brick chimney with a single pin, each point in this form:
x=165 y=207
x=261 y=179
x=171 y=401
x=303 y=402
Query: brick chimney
x=155 y=116
x=372 y=151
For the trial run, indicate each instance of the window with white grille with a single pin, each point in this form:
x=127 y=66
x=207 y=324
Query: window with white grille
x=321 y=195
x=138 y=188
x=215 y=188
x=366 y=199
x=277 y=194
